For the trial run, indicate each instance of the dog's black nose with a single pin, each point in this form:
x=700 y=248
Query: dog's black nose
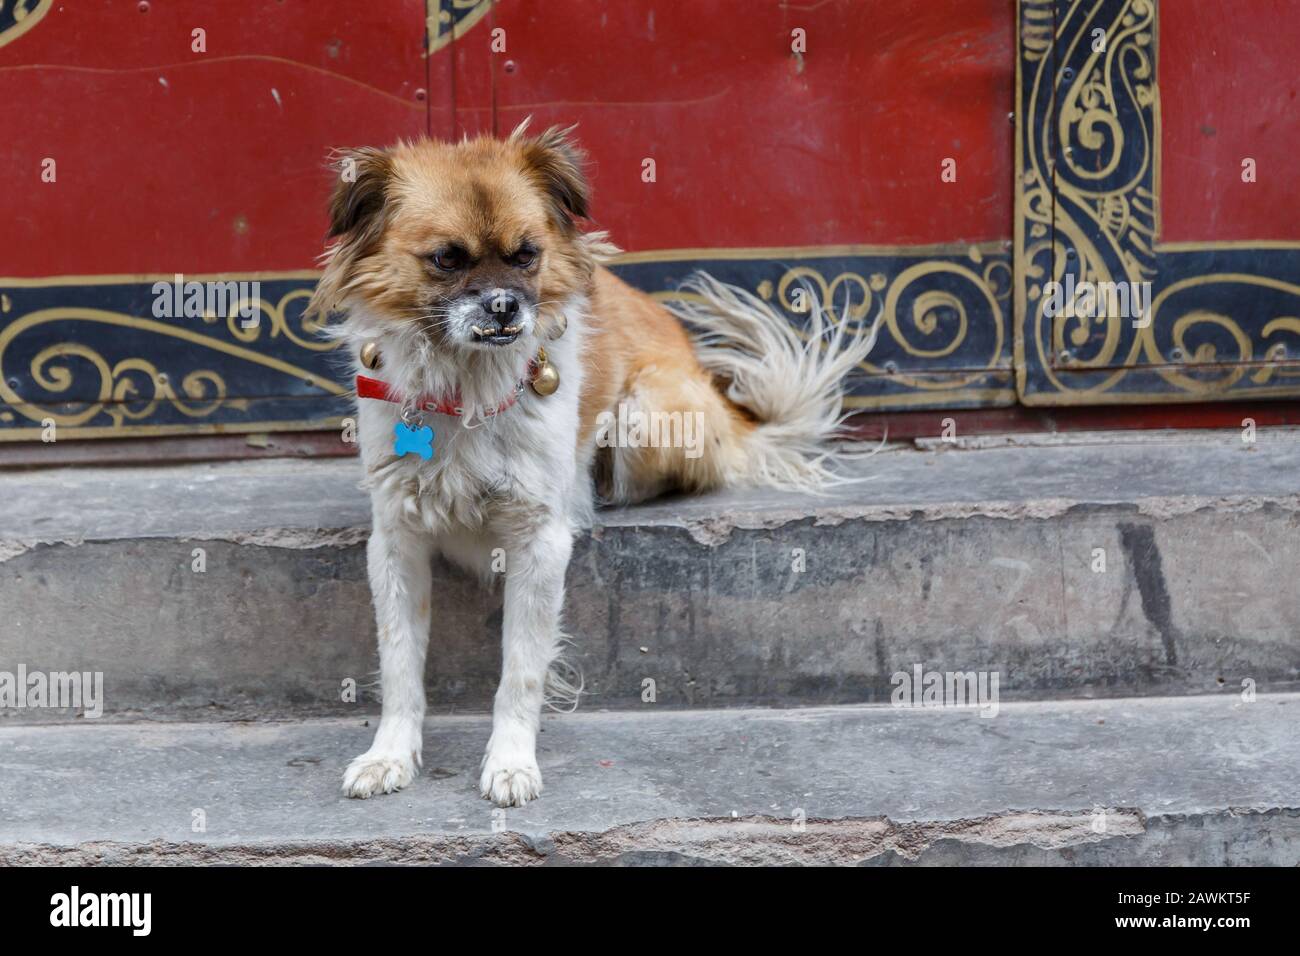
x=500 y=304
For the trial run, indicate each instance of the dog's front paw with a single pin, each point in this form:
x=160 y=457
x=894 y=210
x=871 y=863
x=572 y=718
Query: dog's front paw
x=373 y=773
x=510 y=783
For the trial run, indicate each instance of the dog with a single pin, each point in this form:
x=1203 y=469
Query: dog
x=492 y=348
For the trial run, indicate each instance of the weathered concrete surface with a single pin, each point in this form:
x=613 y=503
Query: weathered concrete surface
x=1167 y=781
x=956 y=560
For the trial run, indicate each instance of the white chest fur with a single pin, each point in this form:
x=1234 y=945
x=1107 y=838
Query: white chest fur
x=524 y=456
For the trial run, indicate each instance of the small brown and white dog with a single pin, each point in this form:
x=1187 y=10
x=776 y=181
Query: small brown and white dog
x=477 y=308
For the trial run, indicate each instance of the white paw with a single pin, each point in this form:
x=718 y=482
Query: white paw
x=373 y=773
x=510 y=783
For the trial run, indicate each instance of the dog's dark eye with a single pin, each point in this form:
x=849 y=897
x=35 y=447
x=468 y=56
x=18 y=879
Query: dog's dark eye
x=523 y=258
x=449 y=260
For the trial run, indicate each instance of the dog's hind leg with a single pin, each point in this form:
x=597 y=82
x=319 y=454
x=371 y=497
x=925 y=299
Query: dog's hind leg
x=537 y=547
x=698 y=438
x=400 y=582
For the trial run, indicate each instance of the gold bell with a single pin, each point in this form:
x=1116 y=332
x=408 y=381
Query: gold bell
x=546 y=379
x=370 y=357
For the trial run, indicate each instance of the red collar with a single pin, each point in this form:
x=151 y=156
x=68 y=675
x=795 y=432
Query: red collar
x=442 y=405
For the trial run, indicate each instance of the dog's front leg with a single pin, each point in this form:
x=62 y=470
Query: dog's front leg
x=536 y=558
x=400 y=583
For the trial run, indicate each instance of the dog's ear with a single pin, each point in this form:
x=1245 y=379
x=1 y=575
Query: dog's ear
x=356 y=221
x=357 y=206
x=557 y=163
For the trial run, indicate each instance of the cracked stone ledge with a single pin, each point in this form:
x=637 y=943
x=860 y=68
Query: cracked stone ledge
x=757 y=840
x=717 y=530
x=293 y=539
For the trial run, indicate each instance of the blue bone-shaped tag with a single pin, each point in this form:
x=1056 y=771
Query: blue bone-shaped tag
x=413 y=441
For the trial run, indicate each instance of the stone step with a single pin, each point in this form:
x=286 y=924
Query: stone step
x=1140 y=781
x=1104 y=565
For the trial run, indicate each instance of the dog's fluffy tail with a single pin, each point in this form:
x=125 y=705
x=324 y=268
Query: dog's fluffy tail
x=792 y=384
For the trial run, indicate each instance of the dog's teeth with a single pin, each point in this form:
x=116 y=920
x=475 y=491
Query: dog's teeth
x=476 y=330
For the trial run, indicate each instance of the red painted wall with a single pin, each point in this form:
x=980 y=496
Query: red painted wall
x=1229 y=78
x=171 y=160
x=755 y=146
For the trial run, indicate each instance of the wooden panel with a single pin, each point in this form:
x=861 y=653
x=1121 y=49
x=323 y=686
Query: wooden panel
x=773 y=166
x=755 y=144
x=89 y=355
x=177 y=161
x=1228 y=92
x=944 y=341
x=169 y=160
x=1220 y=324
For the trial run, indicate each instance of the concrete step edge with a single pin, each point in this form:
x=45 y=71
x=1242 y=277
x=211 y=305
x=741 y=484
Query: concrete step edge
x=1144 y=781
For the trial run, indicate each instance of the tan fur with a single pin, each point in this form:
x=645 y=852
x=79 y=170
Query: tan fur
x=640 y=354
x=458 y=263
x=487 y=195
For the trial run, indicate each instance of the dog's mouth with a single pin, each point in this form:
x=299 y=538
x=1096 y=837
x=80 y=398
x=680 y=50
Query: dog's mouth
x=502 y=336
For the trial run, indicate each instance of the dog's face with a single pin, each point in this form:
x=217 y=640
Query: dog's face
x=474 y=242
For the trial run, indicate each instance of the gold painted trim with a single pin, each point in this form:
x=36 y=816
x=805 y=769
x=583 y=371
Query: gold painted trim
x=973 y=262
x=1073 y=399
x=931 y=389
x=730 y=253
x=436 y=39
x=1029 y=36
x=1115 y=233
x=29 y=19
x=153 y=431
x=129 y=278
x=65 y=313
x=1279 y=245
x=115 y=382
x=889 y=290
x=727 y=253
x=986 y=397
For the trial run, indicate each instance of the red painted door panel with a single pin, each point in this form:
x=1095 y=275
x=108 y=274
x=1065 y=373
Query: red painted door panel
x=756 y=144
x=862 y=147
x=170 y=160
x=791 y=143
x=1229 y=94
x=1157 y=160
